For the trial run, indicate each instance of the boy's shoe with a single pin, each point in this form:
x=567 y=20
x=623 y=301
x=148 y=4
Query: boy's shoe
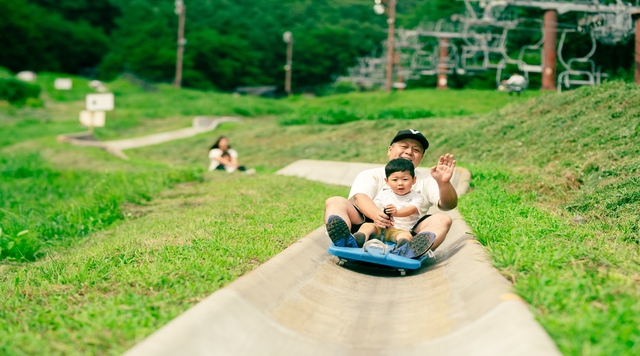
x=361 y=238
x=416 y=247
x=339 y=233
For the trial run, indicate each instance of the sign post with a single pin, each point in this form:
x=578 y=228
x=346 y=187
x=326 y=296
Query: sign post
x=96 y=106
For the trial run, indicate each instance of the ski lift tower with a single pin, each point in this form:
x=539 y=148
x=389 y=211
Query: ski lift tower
x=610 y=23
x=390 y=11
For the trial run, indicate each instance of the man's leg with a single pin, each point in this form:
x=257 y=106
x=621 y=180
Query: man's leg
x=339 y=215
x=439 y=224
x=343 y=208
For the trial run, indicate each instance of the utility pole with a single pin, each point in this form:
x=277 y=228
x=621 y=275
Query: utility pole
x=287 y=37
x=391 y=21
x=390 y=37
x=550 y=53
x=636 y=69
x=180 y=10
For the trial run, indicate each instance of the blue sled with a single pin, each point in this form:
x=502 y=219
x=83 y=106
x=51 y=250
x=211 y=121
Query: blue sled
x=379 y=253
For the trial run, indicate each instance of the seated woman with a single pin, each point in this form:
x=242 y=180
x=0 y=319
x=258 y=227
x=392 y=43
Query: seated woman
x=225 y=158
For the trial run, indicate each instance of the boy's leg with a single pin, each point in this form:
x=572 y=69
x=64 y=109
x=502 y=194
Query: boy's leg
x=366 y=232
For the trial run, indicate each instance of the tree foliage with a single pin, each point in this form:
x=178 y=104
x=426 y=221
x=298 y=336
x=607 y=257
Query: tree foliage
x=230 y=43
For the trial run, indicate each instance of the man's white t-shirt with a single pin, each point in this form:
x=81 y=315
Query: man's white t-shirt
x=517 y=80
x=371 y=182
x=216 y=152
x=387 y=196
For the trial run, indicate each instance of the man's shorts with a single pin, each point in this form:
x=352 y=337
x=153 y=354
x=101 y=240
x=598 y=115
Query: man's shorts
x=356 y=227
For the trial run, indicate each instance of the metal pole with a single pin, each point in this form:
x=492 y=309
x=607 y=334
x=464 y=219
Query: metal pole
x=550 y=43
x=287 y=80
x=181 y=10
x=391 y=21
x=637 y=52
x=442 y=63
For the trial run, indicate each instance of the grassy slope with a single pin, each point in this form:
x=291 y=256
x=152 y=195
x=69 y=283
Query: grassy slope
x=533 y=171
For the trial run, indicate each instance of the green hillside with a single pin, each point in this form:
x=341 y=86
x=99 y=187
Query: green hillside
x=99 y=252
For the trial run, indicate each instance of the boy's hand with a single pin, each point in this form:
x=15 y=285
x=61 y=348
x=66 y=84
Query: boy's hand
x=390 y=210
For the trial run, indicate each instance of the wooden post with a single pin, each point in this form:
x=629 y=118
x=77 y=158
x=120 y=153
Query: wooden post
x=390 y=36
x=287 y=79
x=442 y=66
x=181 y=10
x=637 y=52
x=550 y=51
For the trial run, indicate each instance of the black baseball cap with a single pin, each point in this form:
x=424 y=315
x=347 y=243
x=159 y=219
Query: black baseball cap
x=412 y=134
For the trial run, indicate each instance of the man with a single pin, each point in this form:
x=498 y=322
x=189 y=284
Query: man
x=344 y=216
x=515 y=83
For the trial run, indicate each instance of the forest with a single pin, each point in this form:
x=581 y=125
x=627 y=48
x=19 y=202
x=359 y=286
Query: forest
x=229 y=43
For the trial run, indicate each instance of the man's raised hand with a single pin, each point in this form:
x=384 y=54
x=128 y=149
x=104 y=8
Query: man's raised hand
x=443 y=171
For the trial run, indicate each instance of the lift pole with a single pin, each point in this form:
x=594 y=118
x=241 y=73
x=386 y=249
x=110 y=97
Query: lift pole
x=550 y=43
x=637 y=52
x=442 y=63
x=391 y=21
x=288 y=39
x=180 y=10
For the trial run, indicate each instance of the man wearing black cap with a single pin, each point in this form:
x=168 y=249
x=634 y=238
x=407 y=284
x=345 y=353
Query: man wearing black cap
x=343 y=216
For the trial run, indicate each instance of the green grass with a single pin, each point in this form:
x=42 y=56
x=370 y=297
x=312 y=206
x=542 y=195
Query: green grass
x=166 y=256
x=41 y=205
x=581 y=280
x=537 y=161
x=412 y=104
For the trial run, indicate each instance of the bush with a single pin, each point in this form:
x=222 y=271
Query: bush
x=17 y=92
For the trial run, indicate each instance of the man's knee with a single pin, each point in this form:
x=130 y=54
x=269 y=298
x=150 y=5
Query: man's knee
x=335 y=202
x=445 y=220
x=337 y=206
x=436 y=221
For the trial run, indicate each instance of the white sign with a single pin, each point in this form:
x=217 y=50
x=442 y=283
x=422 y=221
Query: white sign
x=92 y=118
x=399 y=85
x=63 y=83
x=100 y=102
x=26 y=76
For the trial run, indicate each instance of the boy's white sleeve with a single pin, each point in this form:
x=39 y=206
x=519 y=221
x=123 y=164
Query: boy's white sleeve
x=233 y=153
x=418 y=202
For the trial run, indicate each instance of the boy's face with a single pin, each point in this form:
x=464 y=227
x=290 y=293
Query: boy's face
x=400 y=182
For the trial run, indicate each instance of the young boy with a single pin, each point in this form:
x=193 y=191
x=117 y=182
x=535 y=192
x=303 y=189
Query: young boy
x=403 y=207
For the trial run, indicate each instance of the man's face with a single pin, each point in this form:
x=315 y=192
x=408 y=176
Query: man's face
x=408 y=149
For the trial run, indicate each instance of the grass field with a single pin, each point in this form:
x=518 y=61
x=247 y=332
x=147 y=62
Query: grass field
x=98 y=252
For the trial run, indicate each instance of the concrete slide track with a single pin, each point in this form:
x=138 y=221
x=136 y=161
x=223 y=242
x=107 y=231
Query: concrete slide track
x=301 y=302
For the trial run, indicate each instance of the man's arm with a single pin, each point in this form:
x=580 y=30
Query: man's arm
x=448 y=197
x=370 y=210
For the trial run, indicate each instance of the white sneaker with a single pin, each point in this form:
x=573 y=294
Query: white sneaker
x=250 y=171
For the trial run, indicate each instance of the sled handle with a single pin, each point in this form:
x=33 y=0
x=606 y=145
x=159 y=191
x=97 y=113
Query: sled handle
x=376 y=243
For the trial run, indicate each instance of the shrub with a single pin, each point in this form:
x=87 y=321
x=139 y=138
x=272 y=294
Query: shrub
x=17 y=92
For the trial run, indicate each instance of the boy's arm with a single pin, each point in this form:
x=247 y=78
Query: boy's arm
x=406 y=211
